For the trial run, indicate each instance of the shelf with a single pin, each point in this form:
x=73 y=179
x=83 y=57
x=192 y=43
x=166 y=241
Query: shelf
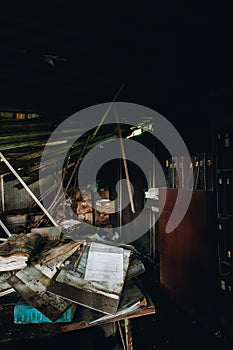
x=224 y=191
x=224 y=214
x=227 y=263
x=219 y=170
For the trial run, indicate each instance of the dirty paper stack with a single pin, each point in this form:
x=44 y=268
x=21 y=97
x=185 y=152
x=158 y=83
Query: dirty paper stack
x=15 y=252
x=68 y=273
x=97 y=280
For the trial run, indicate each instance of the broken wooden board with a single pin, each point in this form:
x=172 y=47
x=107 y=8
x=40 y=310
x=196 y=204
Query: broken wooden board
x=48 y=233
x=132 y=298
x=136 y=267
x=100 y=296
x=49 y=261
x=31 y=284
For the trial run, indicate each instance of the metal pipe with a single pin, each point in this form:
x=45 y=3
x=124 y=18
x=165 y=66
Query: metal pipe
x=5 y=228
x=2 y=193
x=28 y=189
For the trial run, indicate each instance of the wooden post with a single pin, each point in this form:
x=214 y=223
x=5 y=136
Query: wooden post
x=128 y=335
x=125 y=166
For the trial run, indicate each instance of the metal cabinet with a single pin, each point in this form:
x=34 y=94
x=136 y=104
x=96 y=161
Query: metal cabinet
x=188 y=255
x=223 y=144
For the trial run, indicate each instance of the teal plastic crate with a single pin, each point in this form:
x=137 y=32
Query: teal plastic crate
x=24 y=314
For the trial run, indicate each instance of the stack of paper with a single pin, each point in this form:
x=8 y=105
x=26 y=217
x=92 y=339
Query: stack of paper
x=17 y=249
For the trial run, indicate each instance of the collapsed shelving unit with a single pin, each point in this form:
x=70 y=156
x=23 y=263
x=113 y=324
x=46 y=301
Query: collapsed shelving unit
x=3 y=159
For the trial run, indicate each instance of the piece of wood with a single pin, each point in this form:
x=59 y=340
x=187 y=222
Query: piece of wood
x=101 y=296
x=125 y=166
x=132 y=299
x=128 y=334
x=121 y=335
x=48 y=262
x=106 y=113
x=57 y=251
x=28 y=283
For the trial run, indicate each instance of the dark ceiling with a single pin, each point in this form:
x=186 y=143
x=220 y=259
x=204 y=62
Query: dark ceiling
x=60 y=57
x=95 y=48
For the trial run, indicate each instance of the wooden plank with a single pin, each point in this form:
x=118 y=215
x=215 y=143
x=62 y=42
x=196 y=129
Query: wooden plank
x=30 y=283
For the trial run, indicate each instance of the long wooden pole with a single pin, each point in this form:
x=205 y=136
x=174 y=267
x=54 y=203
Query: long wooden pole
x=107 y=111
x=125 y=165
x=77 y=162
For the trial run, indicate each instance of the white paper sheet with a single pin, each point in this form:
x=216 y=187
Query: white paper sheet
x=104 y=263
